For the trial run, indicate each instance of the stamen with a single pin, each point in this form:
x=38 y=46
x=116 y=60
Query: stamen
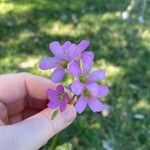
x=86 y=93
x=83 y=78
x=62 y=96
x=64 y=64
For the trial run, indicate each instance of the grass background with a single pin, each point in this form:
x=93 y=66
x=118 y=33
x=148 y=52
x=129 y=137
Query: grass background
x=120 y=47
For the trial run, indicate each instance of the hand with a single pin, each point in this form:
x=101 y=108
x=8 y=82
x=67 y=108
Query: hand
x=25 y=122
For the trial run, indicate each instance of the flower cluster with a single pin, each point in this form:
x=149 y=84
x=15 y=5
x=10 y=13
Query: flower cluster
x=72 y=59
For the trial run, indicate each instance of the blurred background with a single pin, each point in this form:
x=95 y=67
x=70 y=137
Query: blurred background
x=119 y=32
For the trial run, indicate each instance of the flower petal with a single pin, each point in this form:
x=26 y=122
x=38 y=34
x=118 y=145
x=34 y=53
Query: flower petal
x=87 y=59
x=65 y=48
x=48 y=63
x=81 y=104
x=96 y=105
x=53 y=103
x=71 y=52
x=57 y=75
x=77 y=87
x=103 y=90
x=83 y=45
x=74 y=69
x=60 y=89
x=62 y=106
x=97 y=75
x=56 y=49
x=66 y=45
x=98 y=90
x=51 y=93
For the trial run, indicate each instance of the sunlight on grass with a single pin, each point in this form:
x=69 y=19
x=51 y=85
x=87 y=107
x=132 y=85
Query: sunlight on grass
x=105 y=27
x=9 y=61
x=30 y=62
x=142 y=104
x=95 y=126
x=146 y=34
x=58 y=28
x=6 y=7
x=9 y=65
x=65 y=146
x=109 y=16
x=21 y=64
x=25 y=34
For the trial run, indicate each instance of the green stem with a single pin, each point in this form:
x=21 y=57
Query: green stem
x=55 y=140
x=54 y=114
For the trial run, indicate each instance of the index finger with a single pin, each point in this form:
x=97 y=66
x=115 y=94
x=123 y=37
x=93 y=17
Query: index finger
x=18 y=90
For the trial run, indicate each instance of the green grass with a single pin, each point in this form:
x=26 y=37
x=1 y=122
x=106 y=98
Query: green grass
x=122 y=48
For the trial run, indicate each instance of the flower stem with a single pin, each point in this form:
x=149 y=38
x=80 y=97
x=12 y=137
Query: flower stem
x=73 y=99
x=54 y=114
x=55 y=139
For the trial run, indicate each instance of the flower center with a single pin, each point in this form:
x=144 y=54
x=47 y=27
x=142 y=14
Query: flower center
x=62 y=96
x=64 y=64
x=83 y=79
x=86 y=93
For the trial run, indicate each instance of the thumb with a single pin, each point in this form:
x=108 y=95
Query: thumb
x=35 y=131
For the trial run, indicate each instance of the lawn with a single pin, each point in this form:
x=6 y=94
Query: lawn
x=120 y=47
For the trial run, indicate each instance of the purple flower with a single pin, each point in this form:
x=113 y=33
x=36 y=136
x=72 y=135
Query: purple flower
x=58 y=98
x=63 y=55
x=86 y=85
x=90 y=97
x=84 y=78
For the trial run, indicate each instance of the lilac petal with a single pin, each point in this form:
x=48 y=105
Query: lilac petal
x=75 y=52
x=74 y=69
x=53 y=103
x=66 y=45
x=51 y=93
x=103 y=90
x=62 y=106
x=71 y=52
x=56 y=49
x=81 y=104
x=60 y=89
x=77 y=87
x=87 y=59
x=96 y=105
x=48 y=63
x=98 y=90
x=57 y=75
x=97 y=75
x=83 y=45
x=65 y=48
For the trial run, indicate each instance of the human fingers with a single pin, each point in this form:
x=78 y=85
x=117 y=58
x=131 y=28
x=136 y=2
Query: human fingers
x=34 y=132
x=17 y=91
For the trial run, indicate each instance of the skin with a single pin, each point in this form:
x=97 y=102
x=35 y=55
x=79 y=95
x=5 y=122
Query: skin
x=25 y=122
